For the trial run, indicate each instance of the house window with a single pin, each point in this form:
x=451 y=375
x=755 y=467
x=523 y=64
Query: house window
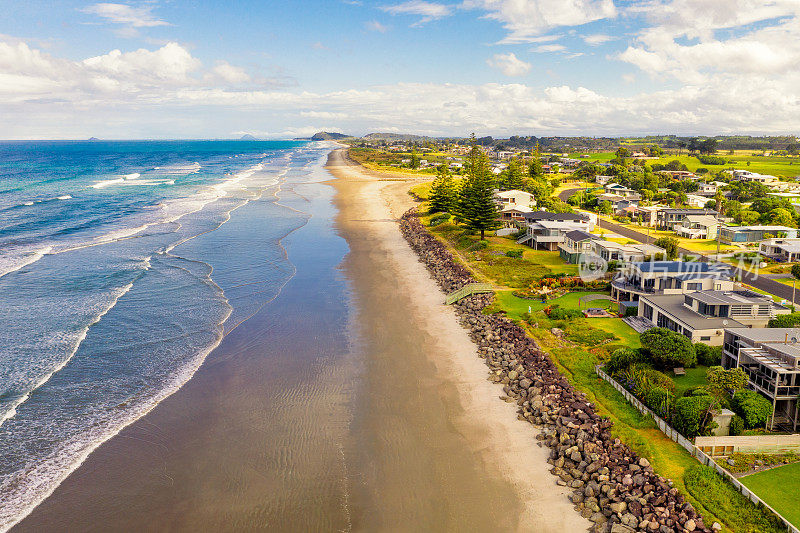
x=705 y=338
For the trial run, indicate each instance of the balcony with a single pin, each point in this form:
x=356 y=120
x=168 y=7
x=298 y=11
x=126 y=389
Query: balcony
x=622 y=285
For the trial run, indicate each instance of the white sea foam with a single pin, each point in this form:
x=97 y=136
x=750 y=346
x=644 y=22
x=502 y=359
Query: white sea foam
x=116 y=295
x=45 y=476
x=28 y=488
x=133 y=176
x=27 y=203
x=15 y=263
x=65 y=197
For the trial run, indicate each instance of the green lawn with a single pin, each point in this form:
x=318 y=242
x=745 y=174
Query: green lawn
x=780 y=488
x=551 y=260
x=694 y=377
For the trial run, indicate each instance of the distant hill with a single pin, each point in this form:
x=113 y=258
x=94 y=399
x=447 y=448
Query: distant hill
x=395 y=137
x=93 y=139
x=247 y=137
x=328 y=136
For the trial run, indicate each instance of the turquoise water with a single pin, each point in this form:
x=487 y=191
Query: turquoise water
x=122 y=264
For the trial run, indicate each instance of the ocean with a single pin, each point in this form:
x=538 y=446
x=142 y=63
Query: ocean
x=122 y=266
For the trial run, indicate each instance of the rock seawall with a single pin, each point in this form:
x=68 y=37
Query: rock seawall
x=613 y=487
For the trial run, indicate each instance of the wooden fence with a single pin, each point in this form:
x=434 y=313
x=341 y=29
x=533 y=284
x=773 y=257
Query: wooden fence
x=722 y=446
x=696 y=452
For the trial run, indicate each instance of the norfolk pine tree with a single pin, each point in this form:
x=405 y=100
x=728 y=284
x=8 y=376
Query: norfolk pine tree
x=476 y=205
x=443 y=192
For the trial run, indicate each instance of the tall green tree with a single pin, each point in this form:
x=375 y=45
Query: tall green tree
x=414 y=159
x=476 y=206
x=442 y=198
x=535 y=169
x=512 y=178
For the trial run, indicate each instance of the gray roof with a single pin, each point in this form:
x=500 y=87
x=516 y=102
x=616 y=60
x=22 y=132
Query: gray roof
x=673 y=305
x=697 y=211
x=546 y=215
x=729 y=297
x=679 y=266
x=579 y=235
x=766 y=334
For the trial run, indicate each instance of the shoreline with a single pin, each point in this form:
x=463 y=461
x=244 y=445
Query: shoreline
x=497 y=440
x=377 y=410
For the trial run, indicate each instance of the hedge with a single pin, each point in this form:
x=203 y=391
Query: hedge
x=752 y=407
x=689 y=416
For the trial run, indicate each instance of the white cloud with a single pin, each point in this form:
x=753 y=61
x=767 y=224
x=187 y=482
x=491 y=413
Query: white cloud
x=153 y=92
x=526 y=20
x=229 y=73
x=545 y=48
x=427 y=10
x=374 y=25
x=597 y=39
x=509 y=64
x=708 y=41
x=136 y=17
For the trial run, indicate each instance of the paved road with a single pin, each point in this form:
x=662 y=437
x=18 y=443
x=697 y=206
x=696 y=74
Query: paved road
x=759 y=282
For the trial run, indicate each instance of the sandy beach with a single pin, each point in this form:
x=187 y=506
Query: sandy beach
x=502 y=447
x=353 y=402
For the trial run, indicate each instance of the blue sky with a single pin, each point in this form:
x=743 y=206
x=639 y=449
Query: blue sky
x=171 y=68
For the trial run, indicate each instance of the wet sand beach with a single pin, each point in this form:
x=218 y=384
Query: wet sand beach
x=353 y=401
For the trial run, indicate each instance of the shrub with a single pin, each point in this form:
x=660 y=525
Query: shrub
x=669 y=349
x=737 y=425
x=752 y=407
x=708 y=355
x=660 y=400
x=517 y=254
x=691 y=417
x=441 y=218
x=711 y=160
x=622 y=359
x=557 y=313
x=785 y=321
x=728 y=381
x=697 y=391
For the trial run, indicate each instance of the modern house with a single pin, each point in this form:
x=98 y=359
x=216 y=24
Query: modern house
x=703 y=315
x=678 y=174
x=619 y=203
x=696 y=200
x=575 y=244
x=620 y=190
x=515 y=197
x=602 y=180
x=746 y=175
x=669 y=277
x=648 y=214
x=698 y=227
x=783 y=250
x=514 y=204
x=614 y=251
x=771 y=359
x=545 y=230
x=668 y=219
x=754 y=233
x=706 y=189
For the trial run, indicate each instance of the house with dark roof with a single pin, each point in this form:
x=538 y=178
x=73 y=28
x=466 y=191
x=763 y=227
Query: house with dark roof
x=575 y=244
x=545 y=230
x=669 y=219
x=669 y=277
